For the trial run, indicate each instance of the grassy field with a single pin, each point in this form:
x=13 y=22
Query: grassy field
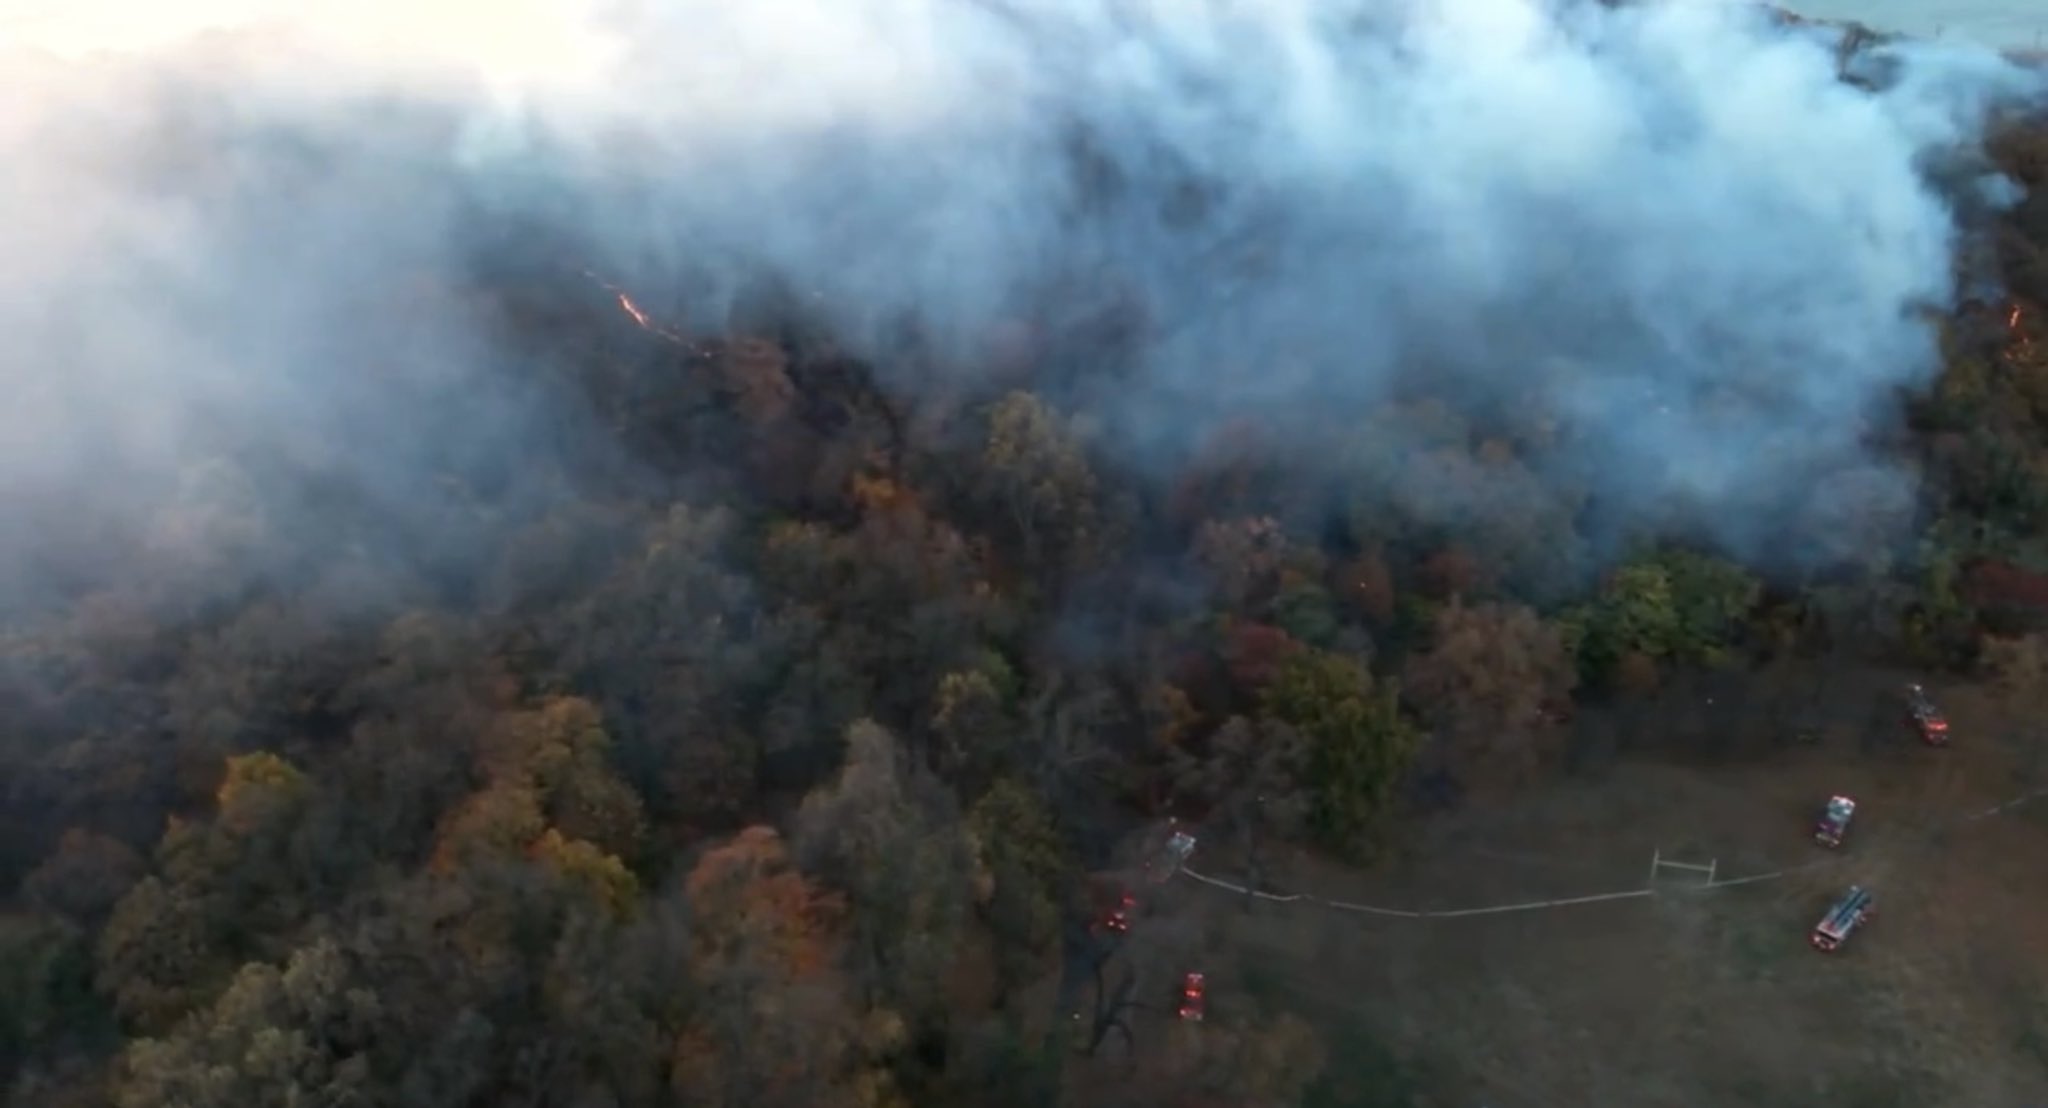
x=1695 y=997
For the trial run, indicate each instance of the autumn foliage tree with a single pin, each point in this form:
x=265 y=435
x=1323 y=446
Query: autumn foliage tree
x=773 y=1025
x=1489 y=683
x=739 y=729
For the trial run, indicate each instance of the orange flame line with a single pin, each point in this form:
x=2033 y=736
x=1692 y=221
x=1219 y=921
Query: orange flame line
x=633 y=310
x=639 y=317
x=2021 y=344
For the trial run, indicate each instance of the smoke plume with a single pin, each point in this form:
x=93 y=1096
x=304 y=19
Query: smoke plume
x=1702 y=243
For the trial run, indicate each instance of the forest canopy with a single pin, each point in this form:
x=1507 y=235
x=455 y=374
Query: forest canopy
x=634 y=705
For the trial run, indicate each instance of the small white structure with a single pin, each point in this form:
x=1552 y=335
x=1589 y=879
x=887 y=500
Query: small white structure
x=1179 y=845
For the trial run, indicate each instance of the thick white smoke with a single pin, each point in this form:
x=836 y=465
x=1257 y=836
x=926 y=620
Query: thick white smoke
x=1672 y=223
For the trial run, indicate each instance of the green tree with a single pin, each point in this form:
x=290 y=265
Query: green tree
x=1713 y=597
x=886 y=835
x=297 y=1036
x=1675 y=606
x=45 y=986
x=871 y=619
x=1022 y=868
x=86 y=876
x=1359 y=743
x=225 y=889
x=601 y=877
x=974 y=725
x=159 y=954
x=560 y=750
x=1035 y=474
x=251 y=682
x=666 y=644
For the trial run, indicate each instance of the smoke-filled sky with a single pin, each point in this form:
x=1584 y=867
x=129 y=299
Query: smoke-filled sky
x=1670 y=223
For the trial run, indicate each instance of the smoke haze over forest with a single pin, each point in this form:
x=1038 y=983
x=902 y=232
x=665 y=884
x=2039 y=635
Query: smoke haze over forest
x=1669 y=228
x=691 y=553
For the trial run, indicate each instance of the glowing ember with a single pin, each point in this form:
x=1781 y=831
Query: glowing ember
x=2021 y=344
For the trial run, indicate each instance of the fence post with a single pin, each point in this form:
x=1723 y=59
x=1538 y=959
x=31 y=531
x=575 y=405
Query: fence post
x=1658 y=865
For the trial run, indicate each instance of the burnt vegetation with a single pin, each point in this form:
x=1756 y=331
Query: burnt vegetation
x=761 y=760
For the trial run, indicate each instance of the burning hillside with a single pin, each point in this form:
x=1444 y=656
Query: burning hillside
x=1206 y=216
x=703 y=546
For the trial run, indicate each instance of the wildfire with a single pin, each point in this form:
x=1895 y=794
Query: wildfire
x=639 y=317
x=633 y=310
x=2021 y=344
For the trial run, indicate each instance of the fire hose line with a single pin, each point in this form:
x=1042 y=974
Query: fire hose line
x=1527 y=1094
x=1564 y=902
